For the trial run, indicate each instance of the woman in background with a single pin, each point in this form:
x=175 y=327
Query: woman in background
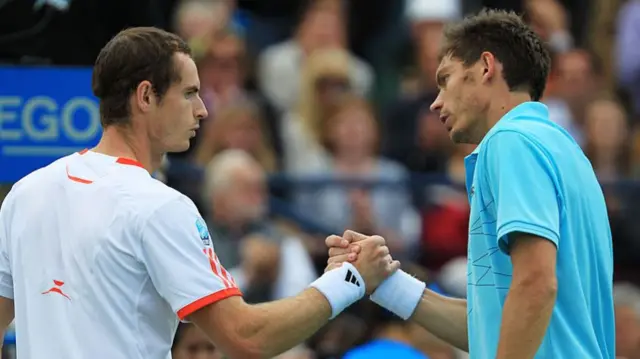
x=325 y=79
x=237 y=126
x=351 y=138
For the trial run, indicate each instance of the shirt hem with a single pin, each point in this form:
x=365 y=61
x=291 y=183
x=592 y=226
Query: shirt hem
x=517 y=226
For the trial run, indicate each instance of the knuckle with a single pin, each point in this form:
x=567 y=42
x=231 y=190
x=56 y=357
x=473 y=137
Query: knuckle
x=332 y=240
x=378 y=239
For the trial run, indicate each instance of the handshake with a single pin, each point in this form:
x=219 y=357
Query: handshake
x=359 y=265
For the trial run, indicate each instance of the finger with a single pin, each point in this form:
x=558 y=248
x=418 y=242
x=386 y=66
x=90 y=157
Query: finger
x=378 y=240
x=382 y=251
x=336 y=241
x=353 y=236
x=339 y=259
x=332 y=266
x=337 y=251
x=393 y=266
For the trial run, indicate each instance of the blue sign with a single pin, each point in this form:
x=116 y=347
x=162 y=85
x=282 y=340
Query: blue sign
x=45 y=114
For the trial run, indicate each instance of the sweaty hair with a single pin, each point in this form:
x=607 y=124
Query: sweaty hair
x=132 y=56
x=523 y=55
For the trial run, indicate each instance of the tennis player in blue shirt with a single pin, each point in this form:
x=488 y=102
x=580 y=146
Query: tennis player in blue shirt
x=540 y=261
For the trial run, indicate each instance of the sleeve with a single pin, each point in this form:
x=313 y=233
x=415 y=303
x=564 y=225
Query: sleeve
x=523 y=184
x=178 y=254
x=6 y=279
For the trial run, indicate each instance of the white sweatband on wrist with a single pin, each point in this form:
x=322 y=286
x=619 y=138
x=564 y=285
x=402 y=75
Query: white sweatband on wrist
x=399 y=294
x=341 y=286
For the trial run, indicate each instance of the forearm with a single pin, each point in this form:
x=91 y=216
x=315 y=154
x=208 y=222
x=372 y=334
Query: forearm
x=525 y=318
x=275 y=327
x=444 y=317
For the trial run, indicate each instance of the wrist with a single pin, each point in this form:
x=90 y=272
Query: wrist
x=341 y=287
x=399 y=294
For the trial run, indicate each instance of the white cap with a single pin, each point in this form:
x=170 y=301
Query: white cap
x=433 y=10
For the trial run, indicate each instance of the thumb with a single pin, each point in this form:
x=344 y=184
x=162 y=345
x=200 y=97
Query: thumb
x=353 y=236
x=393 y=266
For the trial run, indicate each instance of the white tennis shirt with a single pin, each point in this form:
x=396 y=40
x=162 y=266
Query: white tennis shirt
x=102 y=260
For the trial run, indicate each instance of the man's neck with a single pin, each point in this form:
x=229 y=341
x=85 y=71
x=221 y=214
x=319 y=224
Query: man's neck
x=498 y=109
x=119 y=142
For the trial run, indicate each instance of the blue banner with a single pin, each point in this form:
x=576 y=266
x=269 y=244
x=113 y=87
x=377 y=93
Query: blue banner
x=45 y=114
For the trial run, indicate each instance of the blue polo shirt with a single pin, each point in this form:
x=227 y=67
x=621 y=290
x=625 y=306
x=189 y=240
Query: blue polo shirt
x=529 y=175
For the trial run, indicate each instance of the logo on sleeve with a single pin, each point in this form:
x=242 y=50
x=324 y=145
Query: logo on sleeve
x=203 y=231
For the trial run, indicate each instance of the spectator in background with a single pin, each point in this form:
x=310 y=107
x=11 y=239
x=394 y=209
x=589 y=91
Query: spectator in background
x=579 y=81
x=325 y=79
x=266 y=263
x=237 y=126
x=409 y=124
x=280 y=66
x=550 y=21
x=445 y=216
x=223 y=71
x=575 y=82
x=559 y=110
x=197 y=20
x=627 y=308
x=628 y=52
x=608 y=148
x=350 y=135
x=607 y=142
x=190 y=343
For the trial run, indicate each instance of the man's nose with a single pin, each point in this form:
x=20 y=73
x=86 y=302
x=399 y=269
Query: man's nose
x=436 y=106
x=201 y=111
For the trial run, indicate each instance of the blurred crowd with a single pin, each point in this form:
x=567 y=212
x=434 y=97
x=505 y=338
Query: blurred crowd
x=319 y=121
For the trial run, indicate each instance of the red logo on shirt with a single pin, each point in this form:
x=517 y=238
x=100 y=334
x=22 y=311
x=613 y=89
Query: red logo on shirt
x=57 y=289
x=218 y=269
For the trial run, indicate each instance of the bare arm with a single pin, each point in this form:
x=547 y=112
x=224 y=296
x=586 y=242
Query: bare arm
x=6 y=316
x=246 y=331
x=444 y=317
x=529 y=305
x=264 y=330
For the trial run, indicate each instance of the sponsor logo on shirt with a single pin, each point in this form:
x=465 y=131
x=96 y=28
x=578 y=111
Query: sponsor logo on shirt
x=203 y=231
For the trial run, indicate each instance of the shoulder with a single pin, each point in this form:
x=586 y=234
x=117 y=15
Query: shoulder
x=524 y=139
x=38 y=178
x=155 y=194
x=151 y=198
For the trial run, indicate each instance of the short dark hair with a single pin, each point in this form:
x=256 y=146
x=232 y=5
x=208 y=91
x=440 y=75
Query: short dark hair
x=132 y=56
x=525 y=58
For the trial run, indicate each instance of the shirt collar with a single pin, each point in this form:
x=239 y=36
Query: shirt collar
x=532 y=108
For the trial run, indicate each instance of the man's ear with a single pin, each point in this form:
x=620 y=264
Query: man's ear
x=488 y=63
x=144 y=96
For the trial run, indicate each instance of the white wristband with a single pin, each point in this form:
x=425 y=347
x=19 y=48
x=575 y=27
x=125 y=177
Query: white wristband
x=341 y=286
x=400 y=294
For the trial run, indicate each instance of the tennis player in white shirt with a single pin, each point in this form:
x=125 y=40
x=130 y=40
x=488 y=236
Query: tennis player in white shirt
x=99 y=260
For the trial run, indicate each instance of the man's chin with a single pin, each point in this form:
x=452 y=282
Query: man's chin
x=455 y=136
x=459 y=137
x=177 y=148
